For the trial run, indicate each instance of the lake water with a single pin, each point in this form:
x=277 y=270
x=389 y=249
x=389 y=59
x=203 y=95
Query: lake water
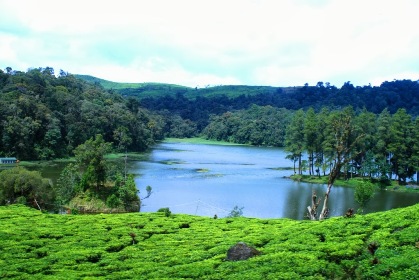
x=201 y=179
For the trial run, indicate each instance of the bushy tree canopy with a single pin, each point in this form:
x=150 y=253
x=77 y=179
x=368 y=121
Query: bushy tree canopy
x=19 y=185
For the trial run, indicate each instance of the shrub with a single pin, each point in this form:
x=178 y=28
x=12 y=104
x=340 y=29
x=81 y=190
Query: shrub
x=236 y=212
x=113 y=201
x=166 y=211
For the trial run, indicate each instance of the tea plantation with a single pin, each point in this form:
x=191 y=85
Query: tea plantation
x=35 y=245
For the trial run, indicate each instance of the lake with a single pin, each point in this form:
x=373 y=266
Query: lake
x=208 y=180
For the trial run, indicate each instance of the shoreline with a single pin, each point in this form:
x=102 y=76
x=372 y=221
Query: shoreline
x=198 y=140
x=351 y=183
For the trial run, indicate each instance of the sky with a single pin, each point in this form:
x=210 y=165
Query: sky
x=201 y=43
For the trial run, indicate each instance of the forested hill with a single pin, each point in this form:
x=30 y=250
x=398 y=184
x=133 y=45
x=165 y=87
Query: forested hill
x=391 y=95
x=144 y=90
x=43 y=116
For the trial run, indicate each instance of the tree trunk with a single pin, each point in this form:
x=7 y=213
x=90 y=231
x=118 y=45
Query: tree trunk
x=325 y=210
x=342 y=128
x=37 y=204
x=312 y=210
x=299 y=165
x=332 y=177
x=312 y=163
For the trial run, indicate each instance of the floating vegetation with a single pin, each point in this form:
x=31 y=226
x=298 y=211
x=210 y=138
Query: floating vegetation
x=176 y=168
x=202 y=170
x=281 y=168
x=208 y=176
x=171 y=162
x=213 y=175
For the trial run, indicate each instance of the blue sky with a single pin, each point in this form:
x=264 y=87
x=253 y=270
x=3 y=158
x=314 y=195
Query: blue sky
x=215 y=42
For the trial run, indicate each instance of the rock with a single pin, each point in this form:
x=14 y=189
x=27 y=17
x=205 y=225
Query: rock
x=241 y=251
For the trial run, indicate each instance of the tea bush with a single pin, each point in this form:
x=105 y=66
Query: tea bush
x=36 y=245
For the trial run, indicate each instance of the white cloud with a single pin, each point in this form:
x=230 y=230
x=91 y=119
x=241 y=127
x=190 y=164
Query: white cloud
x=204 y=42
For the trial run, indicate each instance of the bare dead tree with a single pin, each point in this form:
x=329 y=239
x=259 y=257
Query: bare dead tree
x=344 y=145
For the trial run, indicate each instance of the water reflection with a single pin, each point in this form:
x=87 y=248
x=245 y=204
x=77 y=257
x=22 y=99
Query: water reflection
x=205 y=180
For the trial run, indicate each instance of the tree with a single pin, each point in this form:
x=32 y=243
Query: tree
x=294 y=137
x=382 y=142
x=342 y=141
x=415 y=157
x=63 y=73
x=402 y=145
x=19 y=136
x=68 y=184
x=90 y=158
x=51 y=146
x=310 y=136
x=322 y=161
x=108 y=184
x=364 y=191
x=236 y=212
x=121 y=136
x=294 y=160
x=366 y=125
x=127 y=193
x=19 y=185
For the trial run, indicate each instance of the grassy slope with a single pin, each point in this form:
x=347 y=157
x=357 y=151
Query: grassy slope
x=47 y=246
x=115 y=85
x=118 y=86
x=161 y=89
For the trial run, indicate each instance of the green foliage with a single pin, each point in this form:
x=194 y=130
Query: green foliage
x=150 y=246
x=113 y=201
x=294 y=138
x=368 y=146
x=236 y=212
x=90 y=158
x=364 y=191
x=93 y=185
x=46 y=117
x=166 y=211
x=121 y=86
x=255 y=126
x=402 y=145
x=127 y=193
x=149 y=190
x=19 y=185
x=374 y=99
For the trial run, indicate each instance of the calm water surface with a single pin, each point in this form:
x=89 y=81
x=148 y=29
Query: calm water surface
x=205 y=180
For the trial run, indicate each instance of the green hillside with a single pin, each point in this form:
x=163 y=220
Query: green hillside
x=35 y=245
x=161 y=89
x=117 y=86
x=155 y=89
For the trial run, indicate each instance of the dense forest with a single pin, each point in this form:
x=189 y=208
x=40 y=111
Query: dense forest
x=390 y=94
x=43 y=116
x=198 y=104
x=387 y=148
x=47 y=116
